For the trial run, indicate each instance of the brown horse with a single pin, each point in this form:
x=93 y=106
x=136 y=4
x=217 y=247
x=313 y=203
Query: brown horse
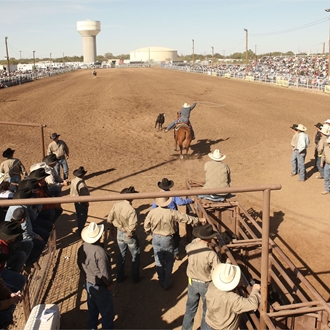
x=182 y=137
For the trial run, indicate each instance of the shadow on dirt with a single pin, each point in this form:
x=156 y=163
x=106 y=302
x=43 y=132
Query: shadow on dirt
x=203 y=147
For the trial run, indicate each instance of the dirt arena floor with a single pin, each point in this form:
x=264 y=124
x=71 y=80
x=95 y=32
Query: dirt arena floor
x=108 y=123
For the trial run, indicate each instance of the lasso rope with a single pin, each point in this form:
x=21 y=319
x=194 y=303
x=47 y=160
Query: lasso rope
x=210 y=104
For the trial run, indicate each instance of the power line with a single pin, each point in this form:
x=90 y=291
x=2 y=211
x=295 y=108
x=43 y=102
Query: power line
x=292 y=29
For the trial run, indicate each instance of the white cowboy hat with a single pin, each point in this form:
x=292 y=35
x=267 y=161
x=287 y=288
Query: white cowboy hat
x=186 y=105
x=226 y=276
x=216 y=155
x=325 y=130
x=327 y=121
x=92 y=233
x=301 y=128
x=163 y=201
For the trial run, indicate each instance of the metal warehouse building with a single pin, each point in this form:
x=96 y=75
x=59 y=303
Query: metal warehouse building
x=154 y=54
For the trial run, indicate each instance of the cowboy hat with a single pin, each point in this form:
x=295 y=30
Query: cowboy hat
x=8 y=152
x=92 y=233
x=23 y=193
x=50 y=159
x=294 y=126
x=54 y=136
x=129 y=190
x=10 y=230
x=186 y=105
x=301 y=128
x=38 y=174
x=165 y=184
x=216 y=155
x=327 y=121
x=80 y=171
x=226 y=276
x=163 y=201
x=204 y=232
x=318 y=125
x=19 y=214
x=35 y=166
x=28 y=183
x=325 y=129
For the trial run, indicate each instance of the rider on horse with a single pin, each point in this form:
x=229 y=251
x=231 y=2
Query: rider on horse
x=184 y=116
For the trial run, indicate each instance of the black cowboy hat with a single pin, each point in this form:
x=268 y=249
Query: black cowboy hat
x=23 y=193
x=318 y=125
x=54 y=136
x=165 y=184
x=79 y=172
x=50 y=159
x=10 y=230
x=294 y=126
x=19 y=214
x=38 y=174
x=28 y=183
x=129 y=190
x=204 y=232
x=8 y=152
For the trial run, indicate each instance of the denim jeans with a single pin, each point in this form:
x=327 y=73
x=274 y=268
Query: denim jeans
x=206 y=327
x=51 y=214
x=81 y=211
x=132 y=243
x=326 y=176
x=6 y=317
x=164 y=258
x=294 y=162
x=13 y=280
x=38 y=247
x=99 y=301
x=301 y=165
x=320 y=169
x=62 y=162
x=196 y=290
x=16 y=261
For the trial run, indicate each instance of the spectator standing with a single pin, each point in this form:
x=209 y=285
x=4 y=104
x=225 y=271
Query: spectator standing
x=294 y=151
x=223 y=305
x=322 y=143
x=318 y=136
x=12 y=168
x=79 y=188
x=94 y=264
x=302 y=145
x=165 y=185
x=160 y=221
x=202 y=259
x=61 y=151
x=123 y=216
x=325 y=163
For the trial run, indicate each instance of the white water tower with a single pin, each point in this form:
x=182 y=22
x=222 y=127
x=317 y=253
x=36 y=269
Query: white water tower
x=89 y=29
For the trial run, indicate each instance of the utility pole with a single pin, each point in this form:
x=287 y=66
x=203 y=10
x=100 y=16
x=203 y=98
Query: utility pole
x=193 y=52
x=212 y=54
x=8 y=64
x=34 y=60
x=246 y=51
x=328 y=11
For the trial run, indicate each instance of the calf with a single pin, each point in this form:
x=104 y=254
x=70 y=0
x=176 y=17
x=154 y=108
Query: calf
x=160 y=121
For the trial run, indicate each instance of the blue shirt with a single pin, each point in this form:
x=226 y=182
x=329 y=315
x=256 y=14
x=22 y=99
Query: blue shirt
x=176 y=201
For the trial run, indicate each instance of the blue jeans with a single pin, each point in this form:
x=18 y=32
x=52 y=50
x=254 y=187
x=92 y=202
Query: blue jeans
x=13 y=280
x=133 y=245
x=14 y=179
x=318 y=163
x=16 y=261
x=51 y=214
x=301 y=165
x=326 y=176
x=206 y=327
x=196 y=291
x=6 y=317
x=294 y=162
x=62 y=162
x=164 y=258
x=38 y=247
x=81 y=211
x=99 y=301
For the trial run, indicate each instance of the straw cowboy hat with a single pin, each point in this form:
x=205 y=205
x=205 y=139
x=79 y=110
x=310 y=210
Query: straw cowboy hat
x=226 y=276
x=10 y=230
x=327 y=121
x=325 y=130
x=165 y=184
x=204 y=232
x=92 y=233
x=163 y=201
x=54 y=136
x=8 y=152
x=301 y=128
x=216 y=155
x=186 y=105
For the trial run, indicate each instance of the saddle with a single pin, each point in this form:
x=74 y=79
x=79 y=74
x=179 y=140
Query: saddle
x=183 y=124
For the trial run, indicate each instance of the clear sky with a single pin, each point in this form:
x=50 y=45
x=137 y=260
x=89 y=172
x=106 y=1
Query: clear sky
x=51 y=26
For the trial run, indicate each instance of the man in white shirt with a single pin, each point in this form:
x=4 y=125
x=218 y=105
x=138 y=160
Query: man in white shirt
x=302 y=145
